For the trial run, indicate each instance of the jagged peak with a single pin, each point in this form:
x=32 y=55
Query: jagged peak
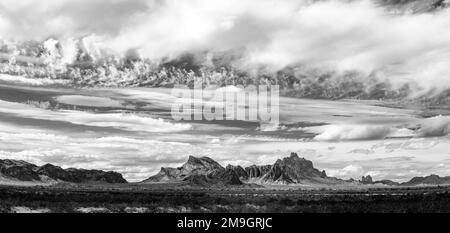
x=15 y=162
x=229 y=166
x=165 y=169
x=367 y=179
x=294 y=156
x=49 y=165
x=203 y=161
x=193 y=159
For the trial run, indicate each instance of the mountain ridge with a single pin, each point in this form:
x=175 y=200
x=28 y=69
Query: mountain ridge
x=23 y=171
x=286 y=171
x=204 y=172
x=290 y=170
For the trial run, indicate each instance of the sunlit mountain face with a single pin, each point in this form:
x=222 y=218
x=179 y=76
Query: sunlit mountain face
x=364 y=84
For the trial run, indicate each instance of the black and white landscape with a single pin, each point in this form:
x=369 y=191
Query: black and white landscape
x=87 y=96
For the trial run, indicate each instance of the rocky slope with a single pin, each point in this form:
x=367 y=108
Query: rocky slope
x=257 y=171
x=290 y=170
x=294 y=170
x=24 y=171
x=197 y=171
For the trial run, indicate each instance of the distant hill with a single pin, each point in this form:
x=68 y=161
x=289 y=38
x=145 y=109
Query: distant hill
x=21 y=171
x=368 y=180
x=428 y=180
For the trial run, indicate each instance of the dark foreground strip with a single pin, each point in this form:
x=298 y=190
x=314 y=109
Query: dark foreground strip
x=226 y=222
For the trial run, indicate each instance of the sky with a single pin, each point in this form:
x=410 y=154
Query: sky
x=127 y=129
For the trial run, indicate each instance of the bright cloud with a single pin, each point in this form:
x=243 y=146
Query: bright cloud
x=335 y=34
x=353 y=132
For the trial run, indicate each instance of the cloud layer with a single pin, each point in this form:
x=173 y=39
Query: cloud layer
x=336 y=34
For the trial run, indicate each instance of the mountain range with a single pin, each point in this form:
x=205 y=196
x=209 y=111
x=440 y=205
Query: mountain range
x=203 y=172
x=14 y=170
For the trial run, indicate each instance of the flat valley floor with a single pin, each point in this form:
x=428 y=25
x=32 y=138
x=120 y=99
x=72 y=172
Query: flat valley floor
x=163 y=199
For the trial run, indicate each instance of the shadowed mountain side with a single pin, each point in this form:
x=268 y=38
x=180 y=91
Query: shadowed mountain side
x=22 y=171
x=197 y=171
x=295 y=170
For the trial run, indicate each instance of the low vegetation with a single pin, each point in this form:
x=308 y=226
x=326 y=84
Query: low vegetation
x=158 y=199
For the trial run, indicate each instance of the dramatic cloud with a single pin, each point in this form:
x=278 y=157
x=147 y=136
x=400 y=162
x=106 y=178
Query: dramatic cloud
x=435 y=127
x=336 y=34
x=438 y=126
x=35 y=20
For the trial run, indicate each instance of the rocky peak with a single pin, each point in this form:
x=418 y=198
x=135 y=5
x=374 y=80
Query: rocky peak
x=201 y=161
x=200 y=171
x=257 y=171
x=293 y=170
x=54 y=172
x=229 y=177
x=7 y=163
x=295 y=161
x=85 y=176
x=203 y=166
x=294 y=156
x=241 y=173
x=324 y=174
x=18 y=169
x=367 y=179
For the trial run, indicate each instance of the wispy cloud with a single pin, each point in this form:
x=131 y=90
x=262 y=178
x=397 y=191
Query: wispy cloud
x=122 y=121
